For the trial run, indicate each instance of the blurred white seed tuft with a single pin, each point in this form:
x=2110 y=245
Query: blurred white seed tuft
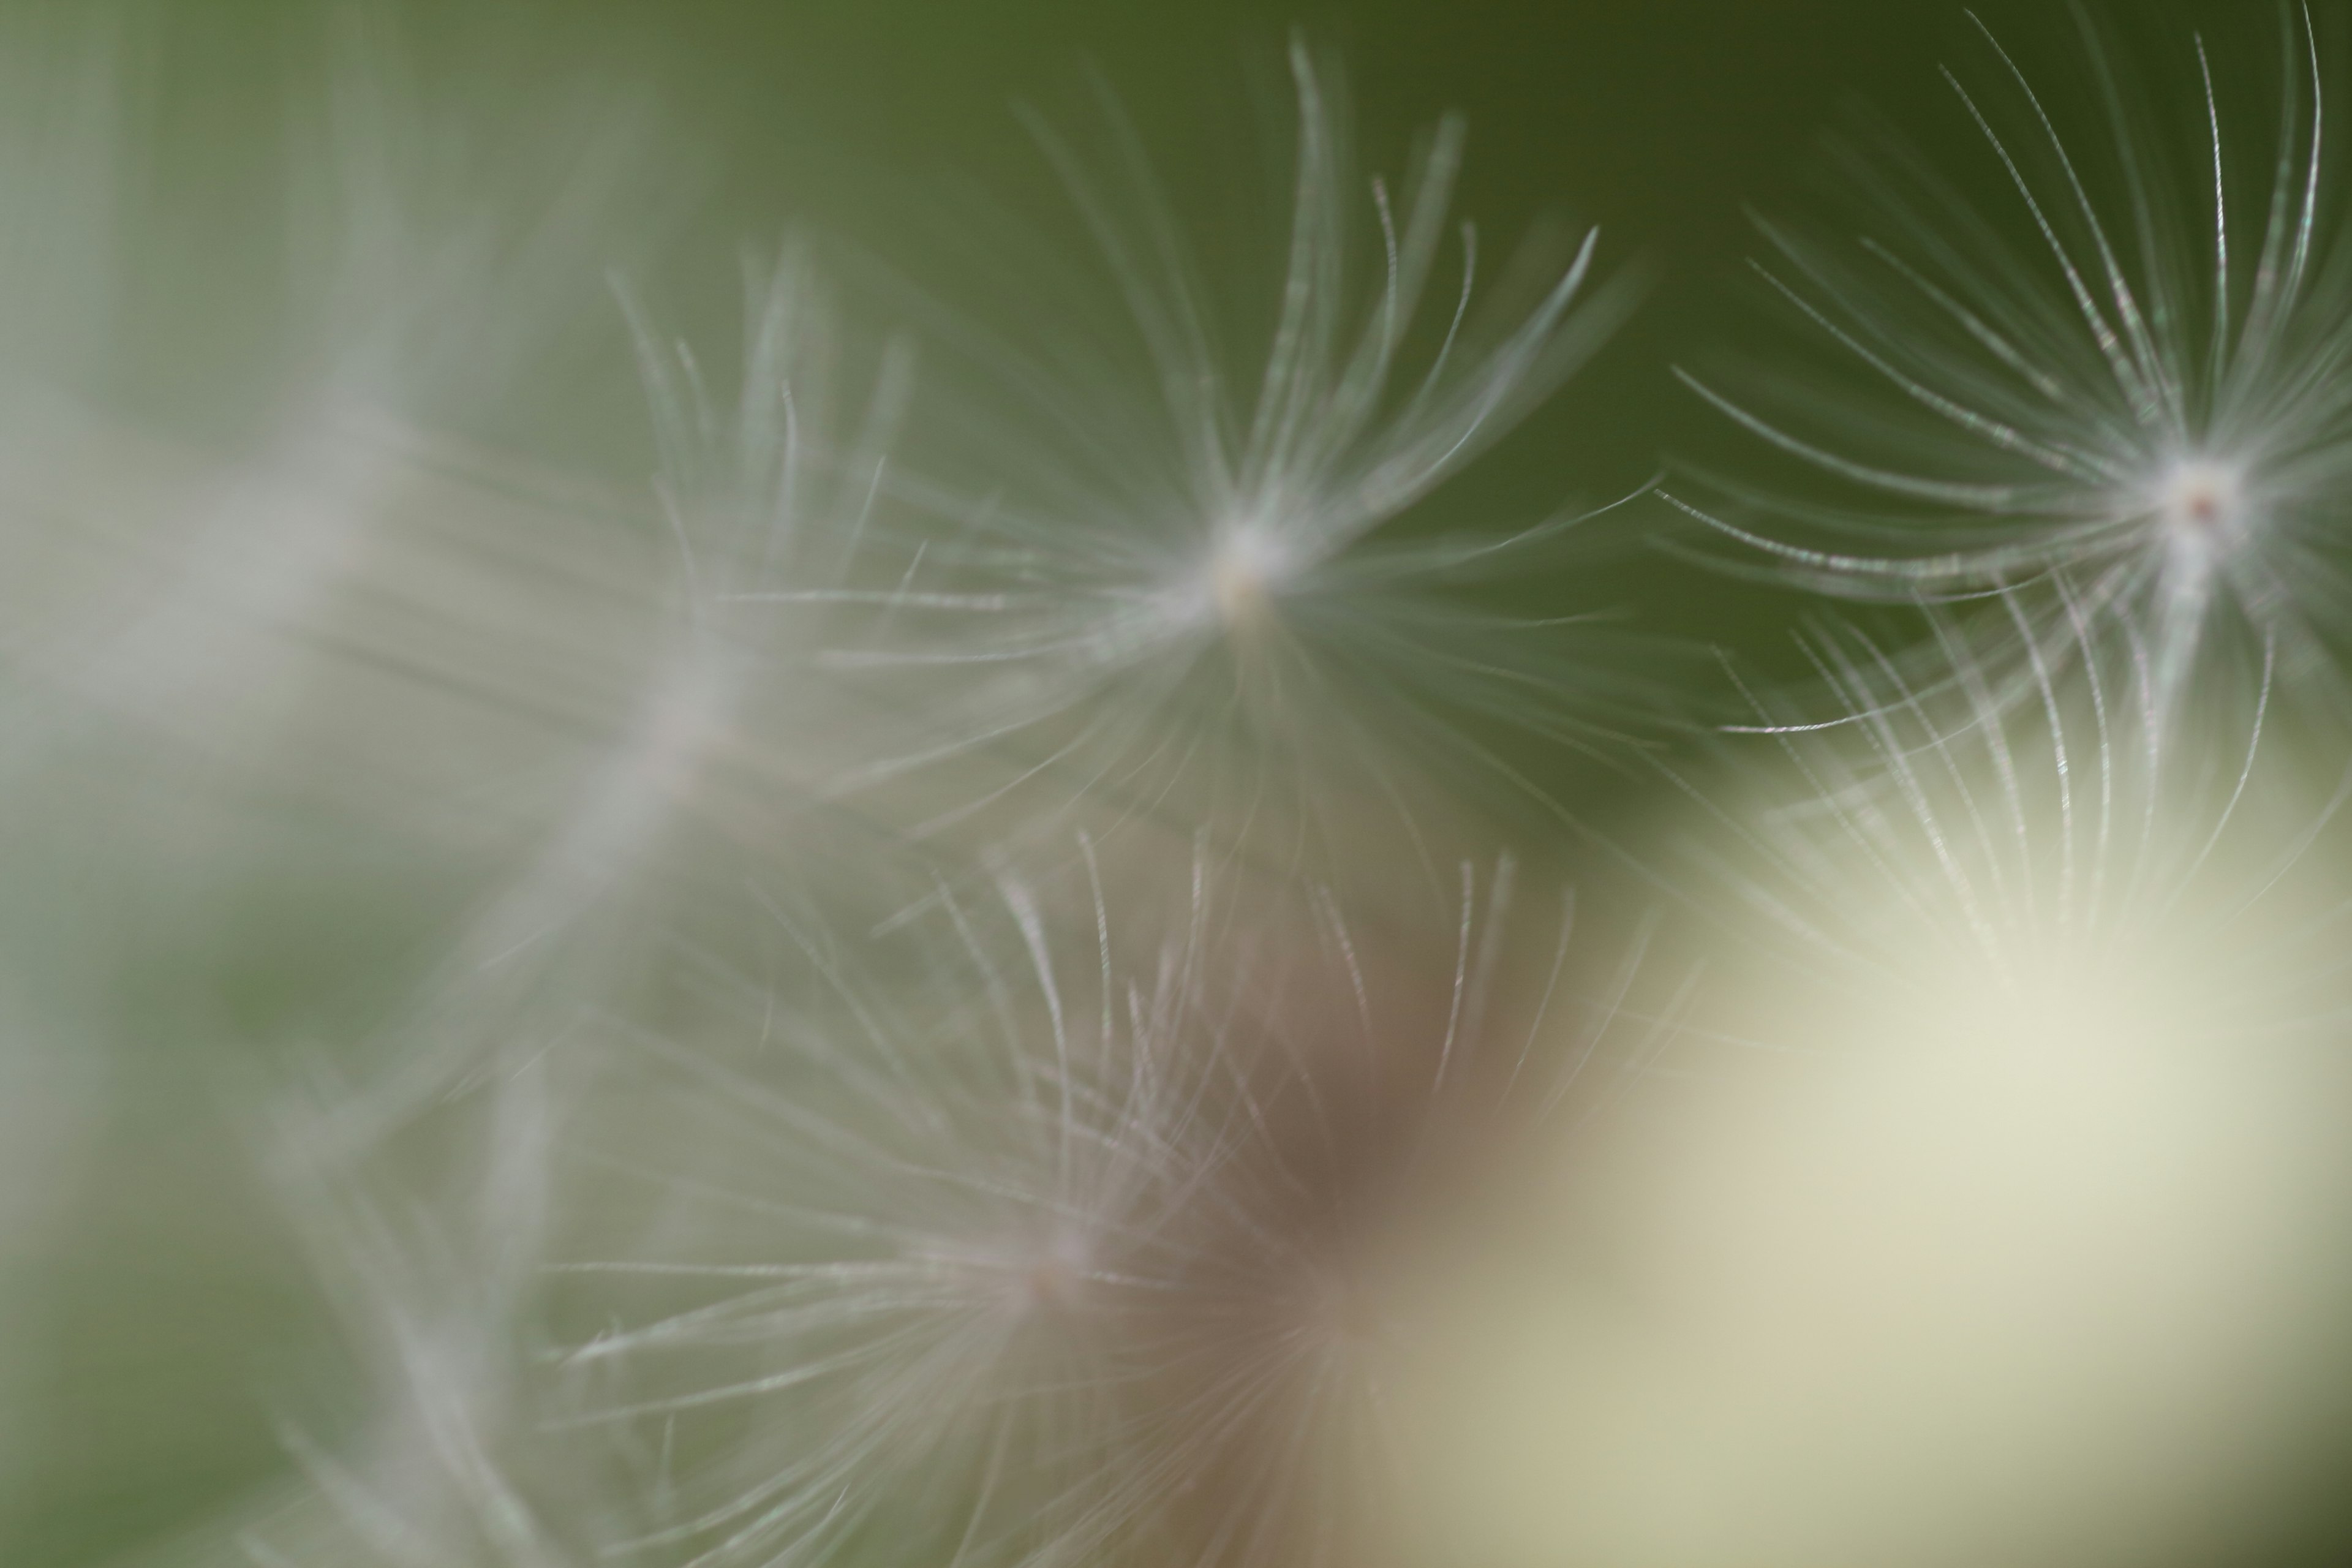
x=1026 y=1249
x=1195 y=585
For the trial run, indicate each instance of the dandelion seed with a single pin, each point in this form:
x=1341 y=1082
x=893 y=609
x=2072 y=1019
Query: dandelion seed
x=2133 y=404
x=1181 y=592
x=1066 y=1262
x=729 y=727
x=944 y=1215
x=714 y=734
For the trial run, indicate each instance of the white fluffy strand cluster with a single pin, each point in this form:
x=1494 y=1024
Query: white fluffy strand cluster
x=945 y=981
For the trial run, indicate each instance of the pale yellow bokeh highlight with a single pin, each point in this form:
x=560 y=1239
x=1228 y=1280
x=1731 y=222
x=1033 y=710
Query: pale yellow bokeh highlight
x=2030 y=1271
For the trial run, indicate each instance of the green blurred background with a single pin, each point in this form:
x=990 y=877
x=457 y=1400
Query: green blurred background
x=169 y=1315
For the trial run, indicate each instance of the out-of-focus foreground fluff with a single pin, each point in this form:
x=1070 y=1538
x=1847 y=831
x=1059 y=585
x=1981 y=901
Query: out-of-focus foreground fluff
x=965 y=925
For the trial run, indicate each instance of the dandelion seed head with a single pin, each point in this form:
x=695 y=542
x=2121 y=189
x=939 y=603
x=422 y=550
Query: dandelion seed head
x=1248 y=568
x=1085 y=1251
x=1345 y=1311
x=2204 y=509
x=1055 y=1279
x=1113 y=601
x=2123 y=396
x=1037 y=1278
x=688 y=717
x=2202 y=497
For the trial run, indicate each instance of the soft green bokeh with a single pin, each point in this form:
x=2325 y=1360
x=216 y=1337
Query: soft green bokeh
x=167 y=1315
